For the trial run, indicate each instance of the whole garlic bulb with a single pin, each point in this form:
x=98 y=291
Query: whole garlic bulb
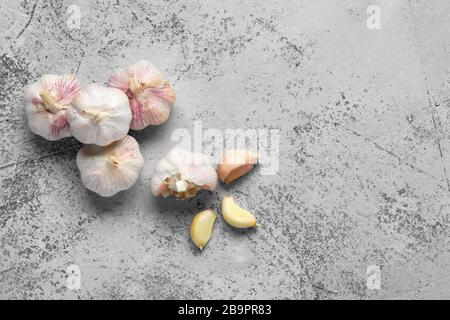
x=99 y=115
x=182 y=174
x=151 y=97
x=46 y=102
x=108 y=170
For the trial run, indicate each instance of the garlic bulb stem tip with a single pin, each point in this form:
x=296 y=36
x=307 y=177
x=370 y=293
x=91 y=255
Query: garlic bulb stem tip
x=114 y=161
x=135 y=86
x=49 y=102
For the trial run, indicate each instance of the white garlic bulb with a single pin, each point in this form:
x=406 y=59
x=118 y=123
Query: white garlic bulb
x=46 y=102
x=99 y=115
x=151 y=97
x=182 y=174
x=108 y=170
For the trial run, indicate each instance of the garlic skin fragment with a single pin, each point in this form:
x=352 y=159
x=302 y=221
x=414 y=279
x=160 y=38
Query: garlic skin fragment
x=236 y=216
x=182 y=174
x=46 y=101
x=150 y=95
x=108 y=170
x=234 y=164
x=99 y=115
x=201 y=227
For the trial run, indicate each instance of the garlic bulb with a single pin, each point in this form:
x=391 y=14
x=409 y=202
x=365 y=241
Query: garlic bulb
x=46 y=102
x=182 y=174
x=108 y=170
x=234 y=164
x=151 y=97
x=99 y=115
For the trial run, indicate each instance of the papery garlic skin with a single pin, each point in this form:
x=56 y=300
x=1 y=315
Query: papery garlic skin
x=182 y=174
x=46 y=102
x=150 y=96
x=235 y=163
x=99 y=115
x=108 y=170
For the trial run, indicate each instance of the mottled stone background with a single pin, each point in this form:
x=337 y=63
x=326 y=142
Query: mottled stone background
x=364 y=166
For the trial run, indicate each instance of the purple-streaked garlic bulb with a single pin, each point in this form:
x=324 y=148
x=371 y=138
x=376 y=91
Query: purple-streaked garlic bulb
x=46 y=102
x=108 y=170
x=182 y=174
x=150 y=95
x=99 y=115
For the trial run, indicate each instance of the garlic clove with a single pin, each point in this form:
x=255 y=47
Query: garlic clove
x=150 y=96
x=234 y=164
x=236 y=216
x=99 y=115
x=201 y=228
x=110 y=169
x=182 y=174
x=46 y=102
x=181 y=186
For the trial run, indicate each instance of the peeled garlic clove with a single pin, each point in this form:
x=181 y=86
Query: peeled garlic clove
x=150 y=96
x=234 y=164
x=99 y=115
x=235 y=215
x=108 y=170
x=46 y=102
x=182 y=174
x=201 y=228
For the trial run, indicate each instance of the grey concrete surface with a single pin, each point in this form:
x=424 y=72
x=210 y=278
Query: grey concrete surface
x=364 y=166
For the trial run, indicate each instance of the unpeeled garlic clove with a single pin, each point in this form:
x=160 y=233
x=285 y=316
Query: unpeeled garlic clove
x=182 y=174
x=108 y=170
x=236 y=216
x=46 y=102
x=150 y=96
x=234 y=164
x=99 y=115
x=201 y=228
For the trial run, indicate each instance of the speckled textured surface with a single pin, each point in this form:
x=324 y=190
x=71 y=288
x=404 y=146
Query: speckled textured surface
x=364 y=166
